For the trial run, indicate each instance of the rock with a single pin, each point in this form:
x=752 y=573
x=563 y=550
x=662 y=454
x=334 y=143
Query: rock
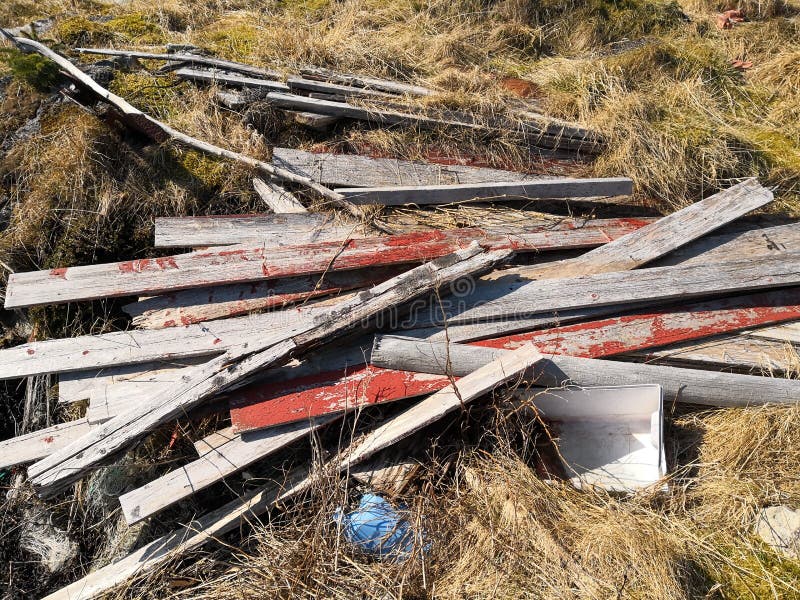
x=779 y=526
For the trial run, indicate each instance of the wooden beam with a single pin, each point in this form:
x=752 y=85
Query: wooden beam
x=271 y=230
x=238 y=264
x=374 y=83
x=38 y=444
x=353 y=170
x=216 y=76
x=221 y=302
x=681 y=385
x=194 y=59
x=272 y=403
x=446 y=194
x=304 y=85
x=277 y=199
x=313 y=120
x=213 y=466
x=57 y=471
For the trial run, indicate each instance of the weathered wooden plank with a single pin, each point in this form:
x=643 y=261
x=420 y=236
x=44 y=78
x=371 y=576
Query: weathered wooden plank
x=395 y=87
x=347 y=91
x=653 y=284
x=785 y=333
x=464 y=192
x=277 y=199
x=352 y=170
x=313 y=120
x=62 y=468
x=274 y=403
x=206 y=304
x=214 y=440
x=510 y=367
x=195 y=59
x=38 y=444
x=213 y=466
x=271 y=230
x=681 y=385
x=238 y=264
x=217 y=76
x=664 y=236
x=132 y=347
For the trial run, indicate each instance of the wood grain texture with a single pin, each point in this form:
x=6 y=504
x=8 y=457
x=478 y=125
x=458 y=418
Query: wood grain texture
x=681 y=385
x=220 y=77
x=305 y=85
x=785 y=333
x=213 y=466
x=277 y=199
x=244 y=263
x=367 y=82
x=61 y=468
x=274 y=403
x=38 y=444
x=271 y=230
x=446 y=194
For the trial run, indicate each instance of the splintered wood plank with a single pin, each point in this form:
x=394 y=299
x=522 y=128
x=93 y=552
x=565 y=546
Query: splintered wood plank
x=213 y=466
x=38 y=444
x=58 y=470
x=220 y=302
x=353 y=170
x=664 y=236
x=277 y=199
x=681 y=385
x=268 y=404
x=132 y=347
x=659 y=283
x=446 y=194
x=230 y=79
x=271 y=230
x=238 y=264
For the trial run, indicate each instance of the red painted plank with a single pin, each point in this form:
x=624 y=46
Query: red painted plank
x=244 y=263
x=266 y=405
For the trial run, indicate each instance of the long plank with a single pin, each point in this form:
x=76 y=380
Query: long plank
x=653 y=284
x=38 y=444
x=681 y=385
x=353 y=170
x=274 y=403
x=278 y=199
x=206 y=304
x=364 y=81
x=238 y=264
x=786 y=333
x=213 y=466
x=664 y=236
x=305 y=85
x=271 y=230
x=446 y=194
x=57 y=471
x=217 y=76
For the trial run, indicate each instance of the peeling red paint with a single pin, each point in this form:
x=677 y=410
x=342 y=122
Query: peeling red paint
x=30 y=351
x=85 y=352
x=49 y=439
x=61 y=272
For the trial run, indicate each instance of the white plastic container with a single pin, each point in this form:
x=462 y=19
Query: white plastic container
x=608 y=437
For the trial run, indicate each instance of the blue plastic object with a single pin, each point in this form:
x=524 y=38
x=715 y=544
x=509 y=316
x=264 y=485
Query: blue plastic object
x=377 y=529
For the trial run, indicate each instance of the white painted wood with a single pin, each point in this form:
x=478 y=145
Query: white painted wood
x=58 y=470
x=681 y=385
x=352 y=170
x=277 y=199
x=213 y=466
x=465 y=192
x=38 y=444
x=271 y=230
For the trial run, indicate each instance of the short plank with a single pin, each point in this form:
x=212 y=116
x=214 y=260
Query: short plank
x=57 y=471
x=38 y=444
x=681 y=385
x=271 y=230
x=244 y=263
x=213 y=466
x=217 y=76
x=464 y=192
x=272 y=403
x=313 y=120
x=221 y=302
x=277 y=199
x=664 y=236
x=353 y=170
x=653 y=284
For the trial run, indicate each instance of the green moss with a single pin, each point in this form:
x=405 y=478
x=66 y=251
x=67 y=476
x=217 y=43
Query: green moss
x=134 y=27
x=757 y=573
x=210 y=172
x=309 y=6
x=78 y=31
x=232 y=40
x=34 y=69
x=156 y=96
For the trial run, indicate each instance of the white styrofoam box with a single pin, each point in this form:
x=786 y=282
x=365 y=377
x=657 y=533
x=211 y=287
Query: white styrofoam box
x=608 y=437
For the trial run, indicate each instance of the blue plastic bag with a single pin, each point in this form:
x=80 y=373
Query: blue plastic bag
x=377 y=529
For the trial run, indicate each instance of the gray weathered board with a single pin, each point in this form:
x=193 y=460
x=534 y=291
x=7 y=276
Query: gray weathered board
x=682 y=385
x=277 y=199
x=353 y=170
x=38 y=444
x=464 y=192
x=229 y=79
x=61 y=468
x=272 y=230
x=365 y=81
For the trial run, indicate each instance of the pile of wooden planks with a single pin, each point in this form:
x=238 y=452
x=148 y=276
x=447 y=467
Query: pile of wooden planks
x=285 y=323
